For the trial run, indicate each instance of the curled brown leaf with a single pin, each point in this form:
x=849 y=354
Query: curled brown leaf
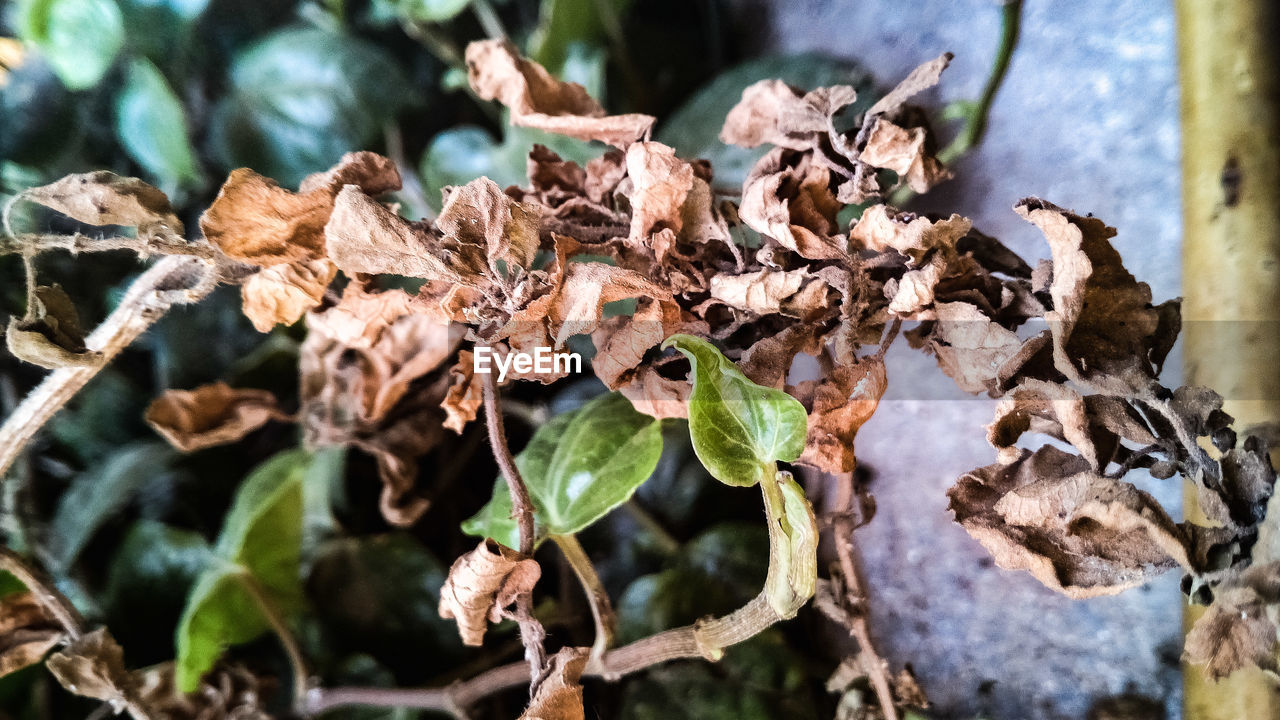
x=210 y=415
x=482 y=584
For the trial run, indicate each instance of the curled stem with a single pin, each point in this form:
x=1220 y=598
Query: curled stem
x=172 y=281
x=601 y=607
x=297 y=664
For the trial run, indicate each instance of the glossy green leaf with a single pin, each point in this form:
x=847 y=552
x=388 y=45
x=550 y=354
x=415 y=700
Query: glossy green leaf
x=79 y=38
x=301 y=98
x=739 y=429
x=694 y=129
x=152 y=127
x=566 y=26
x=256 y=562
x=577 y=467
x=98 y=494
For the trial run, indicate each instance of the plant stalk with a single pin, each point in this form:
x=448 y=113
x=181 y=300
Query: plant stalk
x=601 y=607
x=1230 y=94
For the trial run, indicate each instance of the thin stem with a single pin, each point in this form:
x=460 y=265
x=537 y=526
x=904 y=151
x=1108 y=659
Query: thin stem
x=971 y=134
x=601 y=607
x=41 y=586
x=172 y=281
x=297 y=664
x=666 y=542
x=705 y=639
x=531 y=632
x=32 y=244
x=489 y=19
x=855 y=598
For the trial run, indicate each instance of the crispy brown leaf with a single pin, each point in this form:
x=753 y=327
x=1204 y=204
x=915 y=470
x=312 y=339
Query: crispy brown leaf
x=537 y=100
x=1234 y=633
x=210 y=415
x=282 y=294
x=559 y=697
x=27 y=632
x=773 y=112
x=904 y=151
x=838 y=405
x=1078 y=533
x=54 y=339
x=482 y=584
x=465 y=393
x=104 y=198
x=93 y=667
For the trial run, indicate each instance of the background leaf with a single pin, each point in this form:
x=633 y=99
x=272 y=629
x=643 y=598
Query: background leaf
x=79 y=38
x=303 y=97
x=153 y=129
x=739 y=429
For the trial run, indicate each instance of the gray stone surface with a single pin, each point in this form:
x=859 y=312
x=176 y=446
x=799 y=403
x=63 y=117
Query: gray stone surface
x=1087 y=119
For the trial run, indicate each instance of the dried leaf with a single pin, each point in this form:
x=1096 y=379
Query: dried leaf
x=282 y=294
x=838 y=405
x=773 y=112
x=480 y=215
x=496 y=71
x=794 y=206
x=904 y=151
x=54 y=339
x=210 y=415
x=93 y=667
x=660 y=184
x=104 y=198
x=559 y=697
x=922 y=78
x=362 y=236
x=761 y=292
x=971 y=348
x=1078 y=533
x=1106 y=332
x=27 y=632
x=1234 y=633
x=257 y=221
x=229 y=692
x=482 y=584
x=465 y=393
x=882 y=228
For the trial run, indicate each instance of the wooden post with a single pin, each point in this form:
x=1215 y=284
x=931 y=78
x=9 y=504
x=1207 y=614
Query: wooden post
x=1230 y=84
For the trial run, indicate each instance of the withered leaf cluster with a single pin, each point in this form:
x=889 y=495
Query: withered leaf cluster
x=1073 y=347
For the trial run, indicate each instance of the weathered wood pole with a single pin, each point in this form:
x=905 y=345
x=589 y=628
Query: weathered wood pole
x=1230 y=84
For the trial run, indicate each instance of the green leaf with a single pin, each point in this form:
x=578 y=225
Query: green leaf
x=566 y=24
x=255 y=569
x=152 y=127
x=577 y=467
x=79 y=38
x=99 y=494
x=739 y=429
x=694 y=129
x=303 y=97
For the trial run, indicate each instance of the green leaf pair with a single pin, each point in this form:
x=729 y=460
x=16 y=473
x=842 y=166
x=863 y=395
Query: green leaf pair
x=740 y=431
x=253 y=571
x=577 y=467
